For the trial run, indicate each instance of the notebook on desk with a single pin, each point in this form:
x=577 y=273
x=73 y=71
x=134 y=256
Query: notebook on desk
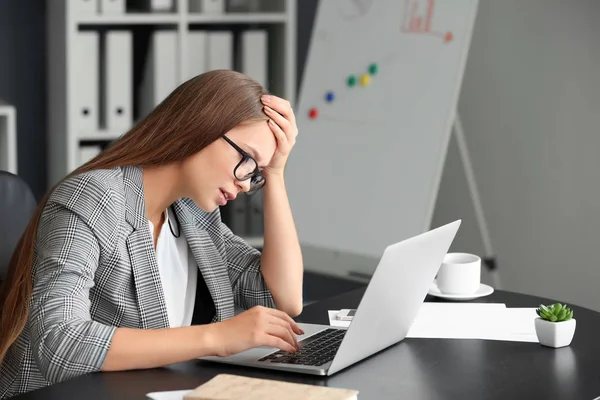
x=234 y=387
x=384 y=316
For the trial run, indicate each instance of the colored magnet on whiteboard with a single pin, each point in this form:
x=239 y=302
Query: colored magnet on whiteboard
x=373 y=69
x=313 y=113
x=365 y=79
x=448 y=37
x=329 y=97
x=351 y=80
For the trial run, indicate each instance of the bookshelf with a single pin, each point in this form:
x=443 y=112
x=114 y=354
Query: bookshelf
x=8 y=137
x=68 y=139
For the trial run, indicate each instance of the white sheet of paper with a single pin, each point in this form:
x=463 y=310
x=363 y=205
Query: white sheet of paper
x=168 y=395
x=487 y=321
x=459 y=321
x=522 y=324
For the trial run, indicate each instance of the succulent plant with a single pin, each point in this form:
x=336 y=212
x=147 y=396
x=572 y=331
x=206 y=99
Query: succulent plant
x=555 y=313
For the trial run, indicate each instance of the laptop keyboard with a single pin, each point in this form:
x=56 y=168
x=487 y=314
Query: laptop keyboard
x=317 y=349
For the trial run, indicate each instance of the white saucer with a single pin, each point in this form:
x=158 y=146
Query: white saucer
x=484 y=290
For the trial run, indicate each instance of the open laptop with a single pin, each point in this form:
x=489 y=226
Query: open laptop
x=384 y=316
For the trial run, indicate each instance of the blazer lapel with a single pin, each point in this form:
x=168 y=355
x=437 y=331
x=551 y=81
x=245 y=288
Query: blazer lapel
x=148 y=287
x=210 y=263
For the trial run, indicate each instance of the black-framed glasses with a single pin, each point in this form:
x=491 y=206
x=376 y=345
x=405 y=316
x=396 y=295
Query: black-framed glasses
x=247 y=168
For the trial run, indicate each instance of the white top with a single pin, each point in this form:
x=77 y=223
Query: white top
x=178 y=274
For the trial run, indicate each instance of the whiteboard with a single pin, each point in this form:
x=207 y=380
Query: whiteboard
x=383 y=77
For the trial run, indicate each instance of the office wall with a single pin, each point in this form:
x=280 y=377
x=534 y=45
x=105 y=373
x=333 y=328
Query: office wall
x=530 y=106
x=23 y=83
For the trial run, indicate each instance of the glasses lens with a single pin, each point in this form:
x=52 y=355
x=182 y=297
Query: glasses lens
x=245 y=169
x=257 y=182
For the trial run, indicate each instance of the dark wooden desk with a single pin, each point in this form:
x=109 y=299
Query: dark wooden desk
x=412 y=369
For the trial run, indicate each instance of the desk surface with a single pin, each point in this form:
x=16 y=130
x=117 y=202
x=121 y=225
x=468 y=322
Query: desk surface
x=411 y=369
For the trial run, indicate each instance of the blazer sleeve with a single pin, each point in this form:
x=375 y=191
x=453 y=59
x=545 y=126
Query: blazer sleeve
x=65 y=341
x=243 y=265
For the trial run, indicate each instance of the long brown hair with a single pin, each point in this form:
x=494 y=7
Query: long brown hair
x=194 y=115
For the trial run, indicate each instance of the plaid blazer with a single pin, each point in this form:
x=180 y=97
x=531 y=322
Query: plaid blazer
x=95 y=269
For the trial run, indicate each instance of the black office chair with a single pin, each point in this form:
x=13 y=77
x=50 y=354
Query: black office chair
x=17 y=205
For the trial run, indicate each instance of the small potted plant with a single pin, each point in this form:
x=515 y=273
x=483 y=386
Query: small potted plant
x=555 y=326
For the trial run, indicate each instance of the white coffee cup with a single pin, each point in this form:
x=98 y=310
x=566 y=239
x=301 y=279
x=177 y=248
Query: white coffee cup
x=460 y=273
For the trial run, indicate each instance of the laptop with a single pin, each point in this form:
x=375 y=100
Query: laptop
x=383 y=318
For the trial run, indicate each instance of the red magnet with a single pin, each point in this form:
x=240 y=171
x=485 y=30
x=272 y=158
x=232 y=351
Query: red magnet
x=313 y=113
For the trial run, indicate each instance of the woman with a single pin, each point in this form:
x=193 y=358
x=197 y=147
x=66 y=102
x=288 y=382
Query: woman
x=127 y=264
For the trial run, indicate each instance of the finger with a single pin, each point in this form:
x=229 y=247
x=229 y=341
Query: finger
x=284 y=324
x=274 y=341
x=289 y=336
x=282 y=139
x=284 y=334
x=279 y=119
x=286 y=317
x=280 y=105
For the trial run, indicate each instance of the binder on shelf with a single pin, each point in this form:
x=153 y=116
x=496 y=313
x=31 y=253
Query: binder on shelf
x=84 y=7
x=220 y=50
x=160 y=75
x=161 y=5
x=8 y=137
x=152 y=6
x=86 y=83
x=207 y=6
x=112 y=7
x=118 y=73
x=87 y=152
x=255 y=209
x=244 y=6
x=253 y=55
x=219 y=55
x=197 y=52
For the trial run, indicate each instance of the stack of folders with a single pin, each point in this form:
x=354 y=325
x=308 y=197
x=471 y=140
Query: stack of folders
x=116 y=7
x=103 y=85
x=195 y=6
x=230 y=387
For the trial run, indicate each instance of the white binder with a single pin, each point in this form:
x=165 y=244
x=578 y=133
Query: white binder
x=207 y=6
x=253 y=49
x=86 y=153
x=197 y=53
x=8 y=137
x=112 y=6
x=161 y=5
x=85 y=83
x=153 y=6
x=118 y=68
x=253 y=55
x=160 y=75
x=83 y=7
x=243 y=6
x=220 y=50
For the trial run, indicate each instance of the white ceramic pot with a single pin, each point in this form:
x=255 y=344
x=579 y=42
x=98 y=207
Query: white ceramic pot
x=555 y=334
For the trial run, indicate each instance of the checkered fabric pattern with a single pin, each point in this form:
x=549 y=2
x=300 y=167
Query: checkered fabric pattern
x=95 y=270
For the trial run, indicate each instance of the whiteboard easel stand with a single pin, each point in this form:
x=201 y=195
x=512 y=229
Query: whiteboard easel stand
x=490 y=258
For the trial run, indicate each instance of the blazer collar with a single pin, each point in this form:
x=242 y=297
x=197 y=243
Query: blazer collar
x=135 y=205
